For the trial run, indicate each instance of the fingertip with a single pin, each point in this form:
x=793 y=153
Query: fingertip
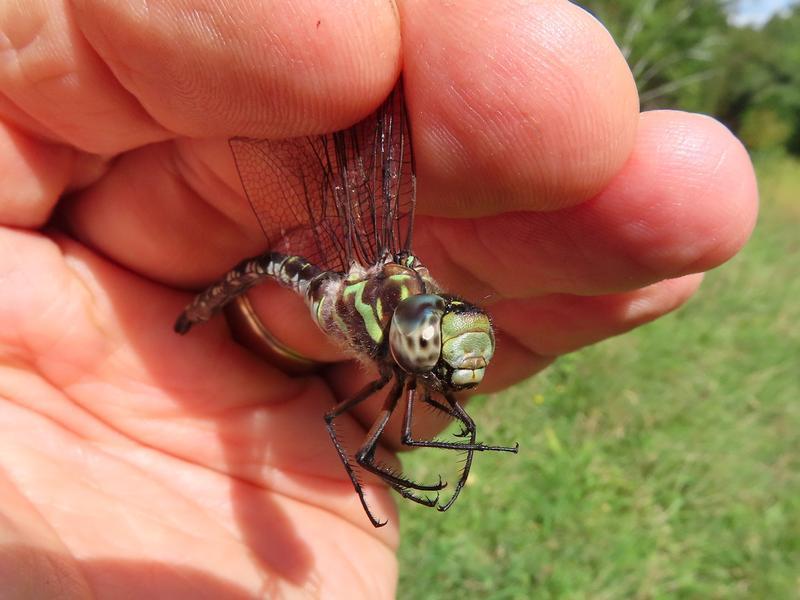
x=515 y=107
x=697 y=189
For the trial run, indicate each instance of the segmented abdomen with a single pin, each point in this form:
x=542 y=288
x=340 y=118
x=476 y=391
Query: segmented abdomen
x=291 y=271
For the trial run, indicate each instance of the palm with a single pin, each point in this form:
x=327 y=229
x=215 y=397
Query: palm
x=138 y=447
x=139 y=460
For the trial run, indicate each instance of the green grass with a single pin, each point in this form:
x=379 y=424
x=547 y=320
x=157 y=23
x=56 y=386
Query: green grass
x=661 y=464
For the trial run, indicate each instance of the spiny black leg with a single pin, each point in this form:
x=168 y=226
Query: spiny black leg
x=468 y=429
x=455 y=411
x=366 y=454
x=408 y=495
x=428 y=399
x=341 y=408
x=469 y=426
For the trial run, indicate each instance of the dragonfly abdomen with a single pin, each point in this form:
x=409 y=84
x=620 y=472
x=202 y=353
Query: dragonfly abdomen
x=294 y=272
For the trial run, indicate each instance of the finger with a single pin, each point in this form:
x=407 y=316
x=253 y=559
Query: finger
x=514 y=106
x=272 y=69
x=56 y=87
x=685 y=202
x=174 y=216
x=540 y=56
x=111 y=76
x=603 y=122
x=561 y=323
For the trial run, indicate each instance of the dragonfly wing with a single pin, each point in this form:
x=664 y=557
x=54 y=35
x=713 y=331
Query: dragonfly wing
x=336 y=198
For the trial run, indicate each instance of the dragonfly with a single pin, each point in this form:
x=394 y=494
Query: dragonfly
x=338 y=214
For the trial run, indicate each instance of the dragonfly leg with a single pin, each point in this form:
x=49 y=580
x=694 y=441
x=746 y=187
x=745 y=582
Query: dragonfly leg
x=428 y=399
x=468 y=429
x=366 y=454
x=457 y=412
x=409 y=495
x=336 y=411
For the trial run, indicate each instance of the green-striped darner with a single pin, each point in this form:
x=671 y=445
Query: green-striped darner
x=338 y=212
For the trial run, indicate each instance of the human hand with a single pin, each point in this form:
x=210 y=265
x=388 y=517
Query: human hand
x=136 y=462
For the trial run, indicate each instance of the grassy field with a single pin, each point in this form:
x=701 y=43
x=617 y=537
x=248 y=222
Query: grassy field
x=661 y=464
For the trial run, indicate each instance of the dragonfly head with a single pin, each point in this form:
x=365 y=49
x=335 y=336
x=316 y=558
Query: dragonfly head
x=445 y=338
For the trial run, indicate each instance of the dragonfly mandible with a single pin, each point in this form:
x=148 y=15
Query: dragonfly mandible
x=338 y=213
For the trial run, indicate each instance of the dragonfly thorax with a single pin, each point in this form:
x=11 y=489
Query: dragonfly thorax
x=447 y=341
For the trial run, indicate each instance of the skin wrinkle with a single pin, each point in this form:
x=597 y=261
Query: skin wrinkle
x=108 y=453
x=72 y=77
x=46 y=135
x=348 y=556
x=194 y=169
x=600 y=317
x=177 y=492
x=262 y=55
x=122 y=70
x=65 y=574
x=456 y=265
x=22 y=42
x=534 y=356
x=490 y=250
x=304 y=388
x=533 y=238
x=633 y=256
x=186 y=176
x=461 y=98
x=41 y=398
x=59 y=423
x=230 y=529
x=265 y=483
x=577 y=246
x=141 y=442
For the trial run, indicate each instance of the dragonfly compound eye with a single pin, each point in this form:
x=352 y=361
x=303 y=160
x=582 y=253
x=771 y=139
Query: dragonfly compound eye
x=467 y=345
x=415 y=335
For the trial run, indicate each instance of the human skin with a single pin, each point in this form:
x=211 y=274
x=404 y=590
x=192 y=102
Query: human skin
x=137 y=463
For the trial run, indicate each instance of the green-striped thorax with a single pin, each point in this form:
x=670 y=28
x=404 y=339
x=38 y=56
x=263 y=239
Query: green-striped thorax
x=449 y=340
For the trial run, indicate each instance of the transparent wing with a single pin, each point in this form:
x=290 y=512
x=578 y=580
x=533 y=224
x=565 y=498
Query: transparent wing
x=337 y=198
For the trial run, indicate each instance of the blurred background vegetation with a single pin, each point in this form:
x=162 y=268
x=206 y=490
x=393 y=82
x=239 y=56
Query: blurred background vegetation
x=664 y=463
x=692 y=56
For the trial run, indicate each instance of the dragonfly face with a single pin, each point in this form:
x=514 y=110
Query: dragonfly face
x=467 y=344
x=448 y=341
